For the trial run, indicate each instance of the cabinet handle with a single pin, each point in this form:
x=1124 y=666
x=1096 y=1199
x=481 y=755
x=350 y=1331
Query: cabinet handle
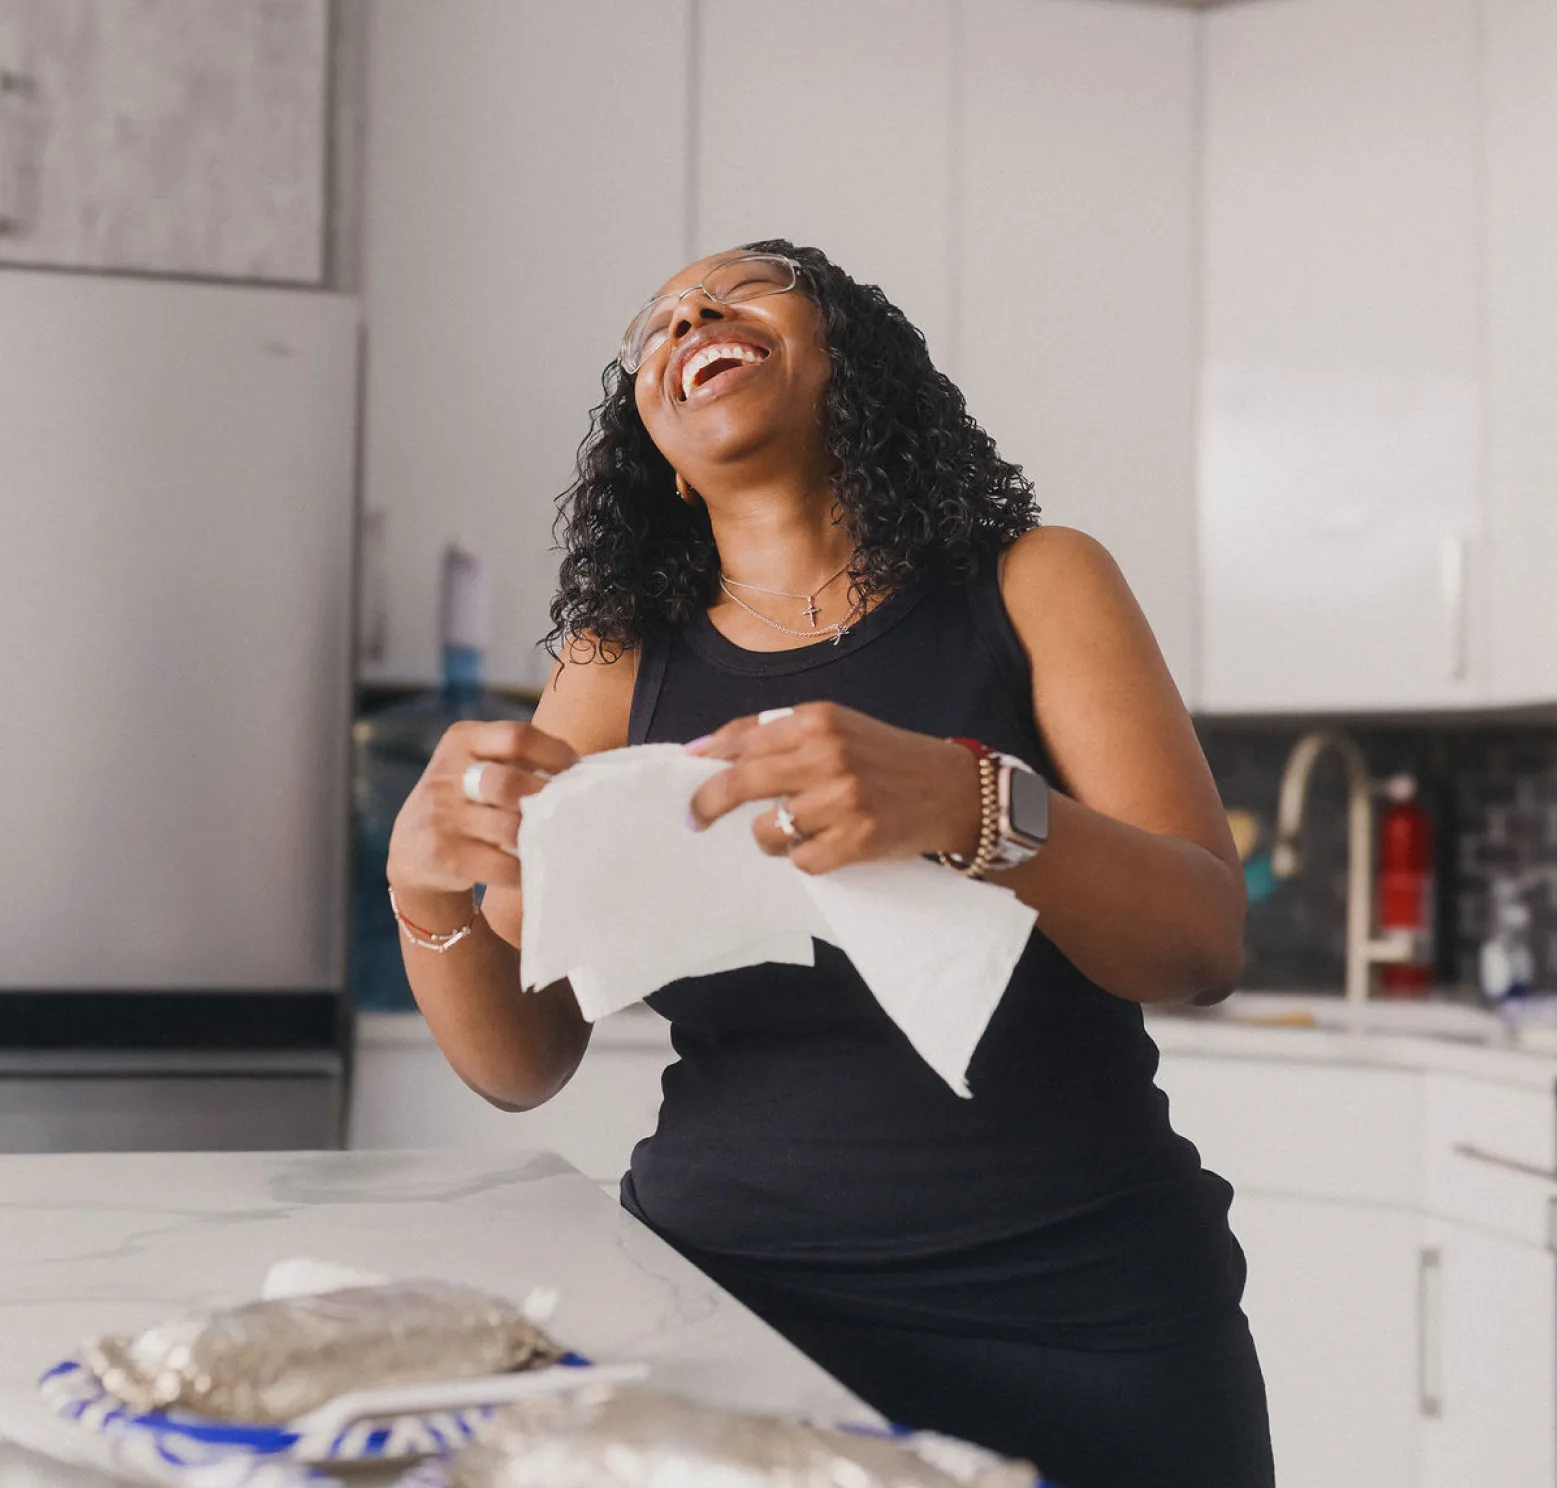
x=1429 y=1331
x=16 y=90
x=1454 y=561
x=1507 y=1164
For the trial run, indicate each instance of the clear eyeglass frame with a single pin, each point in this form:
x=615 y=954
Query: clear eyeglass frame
x=719 y=285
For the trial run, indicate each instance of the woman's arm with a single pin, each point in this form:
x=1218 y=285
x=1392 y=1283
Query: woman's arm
x=515 y=1048
x=1139 y=884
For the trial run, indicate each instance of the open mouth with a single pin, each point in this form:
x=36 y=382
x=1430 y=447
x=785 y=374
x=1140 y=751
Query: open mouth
x=709 y=363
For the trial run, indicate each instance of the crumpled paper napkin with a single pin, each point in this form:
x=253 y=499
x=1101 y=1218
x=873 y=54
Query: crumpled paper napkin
x=621 y=897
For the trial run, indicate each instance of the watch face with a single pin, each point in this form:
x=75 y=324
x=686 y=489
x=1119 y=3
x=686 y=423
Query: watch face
x=1029 y=805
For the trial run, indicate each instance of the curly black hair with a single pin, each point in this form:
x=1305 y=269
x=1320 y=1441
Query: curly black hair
x=918 y=484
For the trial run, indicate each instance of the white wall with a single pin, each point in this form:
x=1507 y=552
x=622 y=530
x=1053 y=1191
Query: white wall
x=526 y=189
x=1076 y=304
x=1017 y=174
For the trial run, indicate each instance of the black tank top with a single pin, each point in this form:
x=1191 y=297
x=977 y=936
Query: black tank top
x=801 y=1137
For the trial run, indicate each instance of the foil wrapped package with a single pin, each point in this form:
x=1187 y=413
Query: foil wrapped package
x=271 y=1361
x=620 y=1436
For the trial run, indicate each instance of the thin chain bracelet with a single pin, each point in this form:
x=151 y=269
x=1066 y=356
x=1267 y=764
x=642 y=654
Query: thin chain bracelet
x=431 y=940
x=989 y=823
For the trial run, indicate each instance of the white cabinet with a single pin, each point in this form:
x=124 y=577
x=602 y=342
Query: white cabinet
x=1402 y=1288
x=1520 y=58
x=1325 y=1163
x=1343 y=542
x=405 y=1095
x=168 y=136
x=1489 y=1376
x=1075 y=334
x=830 y=124
x=1332 y=1305
x=1489 y=1286
x=525 y=192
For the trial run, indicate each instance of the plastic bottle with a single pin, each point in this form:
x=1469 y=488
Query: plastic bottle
x=1406 y=886
x=1507 y=962
x=391 y=749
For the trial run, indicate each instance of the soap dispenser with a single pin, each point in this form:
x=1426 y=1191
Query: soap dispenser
x=1507 y=962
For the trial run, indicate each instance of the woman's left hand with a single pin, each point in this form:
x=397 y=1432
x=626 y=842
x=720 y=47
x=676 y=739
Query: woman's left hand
x=858 y=789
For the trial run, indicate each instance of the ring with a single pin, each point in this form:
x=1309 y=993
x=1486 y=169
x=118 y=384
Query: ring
x=786 y=822
x=470 y=782
x=769 y=714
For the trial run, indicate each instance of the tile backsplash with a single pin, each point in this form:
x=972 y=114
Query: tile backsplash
x=1491 y=789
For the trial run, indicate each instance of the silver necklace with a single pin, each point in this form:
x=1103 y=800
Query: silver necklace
x=811 y=610
x=839 y=630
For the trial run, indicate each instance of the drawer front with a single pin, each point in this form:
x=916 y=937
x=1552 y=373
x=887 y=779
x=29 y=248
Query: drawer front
x=1491 y=1157
x=173 y=1113
x=1301 y=1130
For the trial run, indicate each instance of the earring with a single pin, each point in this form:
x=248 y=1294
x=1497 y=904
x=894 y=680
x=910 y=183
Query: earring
x=684 y=491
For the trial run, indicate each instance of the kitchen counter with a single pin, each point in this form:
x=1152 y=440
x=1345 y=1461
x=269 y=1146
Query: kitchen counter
x=1420 y=1036
x=98 y=1243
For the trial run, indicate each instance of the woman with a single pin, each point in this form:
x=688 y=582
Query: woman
x=784 y=506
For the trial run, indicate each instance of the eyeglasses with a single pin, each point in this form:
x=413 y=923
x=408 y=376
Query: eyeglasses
x=749 y=277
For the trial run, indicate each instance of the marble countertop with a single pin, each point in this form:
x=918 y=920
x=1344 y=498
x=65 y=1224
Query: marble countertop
x=1256 y=1025
x=1446 y=1036
x=93 y=1243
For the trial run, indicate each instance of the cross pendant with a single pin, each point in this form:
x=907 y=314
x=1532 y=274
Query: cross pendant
x=811 y=610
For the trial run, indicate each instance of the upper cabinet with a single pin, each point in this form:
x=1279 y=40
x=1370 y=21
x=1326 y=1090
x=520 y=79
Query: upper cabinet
x=168 y=136
x=831 y=125
x=1520 y=89
x=1074 y=293
x=525 y=193
x=1341 y=501
x=1018 y=178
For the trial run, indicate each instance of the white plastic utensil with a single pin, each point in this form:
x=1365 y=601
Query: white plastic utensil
x=321 y=1427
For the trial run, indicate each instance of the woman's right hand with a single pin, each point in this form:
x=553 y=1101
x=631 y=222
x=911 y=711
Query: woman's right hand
x=443 y=843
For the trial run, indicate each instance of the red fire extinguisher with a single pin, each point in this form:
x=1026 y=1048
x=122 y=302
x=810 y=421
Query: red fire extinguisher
x=1406 y=885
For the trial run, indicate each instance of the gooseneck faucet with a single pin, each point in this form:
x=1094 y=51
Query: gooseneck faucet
x=1364 y=949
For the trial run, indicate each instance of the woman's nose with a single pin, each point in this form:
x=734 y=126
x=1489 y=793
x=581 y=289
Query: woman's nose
x=696 y=310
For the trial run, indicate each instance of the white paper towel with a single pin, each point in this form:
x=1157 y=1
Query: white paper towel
x=621 y=897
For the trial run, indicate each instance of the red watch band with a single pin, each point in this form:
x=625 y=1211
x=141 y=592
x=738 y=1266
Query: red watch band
x=980 y=750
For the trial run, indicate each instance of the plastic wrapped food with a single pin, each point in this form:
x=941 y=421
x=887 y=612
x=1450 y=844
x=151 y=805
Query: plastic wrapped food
x=272 y=1361
x=619 y=1436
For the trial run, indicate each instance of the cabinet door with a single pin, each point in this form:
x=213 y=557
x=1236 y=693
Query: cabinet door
x=1489 y=1367
x=1521 y=166
x=1332 y=1302
x=1075 y=297
x=168 y=136
x=1325 y=1162
x=525 y=192
x=829 y=122
x=1343 y=557
x=405 y=1094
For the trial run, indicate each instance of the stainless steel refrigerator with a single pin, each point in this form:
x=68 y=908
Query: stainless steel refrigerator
x=176 y=601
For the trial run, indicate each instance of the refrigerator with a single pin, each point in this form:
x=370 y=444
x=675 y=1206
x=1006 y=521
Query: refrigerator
x=177 y=513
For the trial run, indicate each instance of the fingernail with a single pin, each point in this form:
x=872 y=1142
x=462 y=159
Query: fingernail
x=693 y=744
x=691 y=820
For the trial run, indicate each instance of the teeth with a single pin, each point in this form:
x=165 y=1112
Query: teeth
x=734 y=351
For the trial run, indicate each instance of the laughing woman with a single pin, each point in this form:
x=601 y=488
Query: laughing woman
x=783 y=504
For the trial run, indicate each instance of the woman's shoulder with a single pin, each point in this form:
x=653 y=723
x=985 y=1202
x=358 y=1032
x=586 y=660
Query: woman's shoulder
x=1069 y=601
x=588 y=698
x=1048 y=555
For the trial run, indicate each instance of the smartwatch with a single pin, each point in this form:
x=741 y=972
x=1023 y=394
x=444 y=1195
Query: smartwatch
x=1023 y=796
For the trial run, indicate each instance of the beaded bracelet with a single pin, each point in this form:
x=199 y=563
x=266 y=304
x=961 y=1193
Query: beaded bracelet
x=989 y=815
x=431 y=940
